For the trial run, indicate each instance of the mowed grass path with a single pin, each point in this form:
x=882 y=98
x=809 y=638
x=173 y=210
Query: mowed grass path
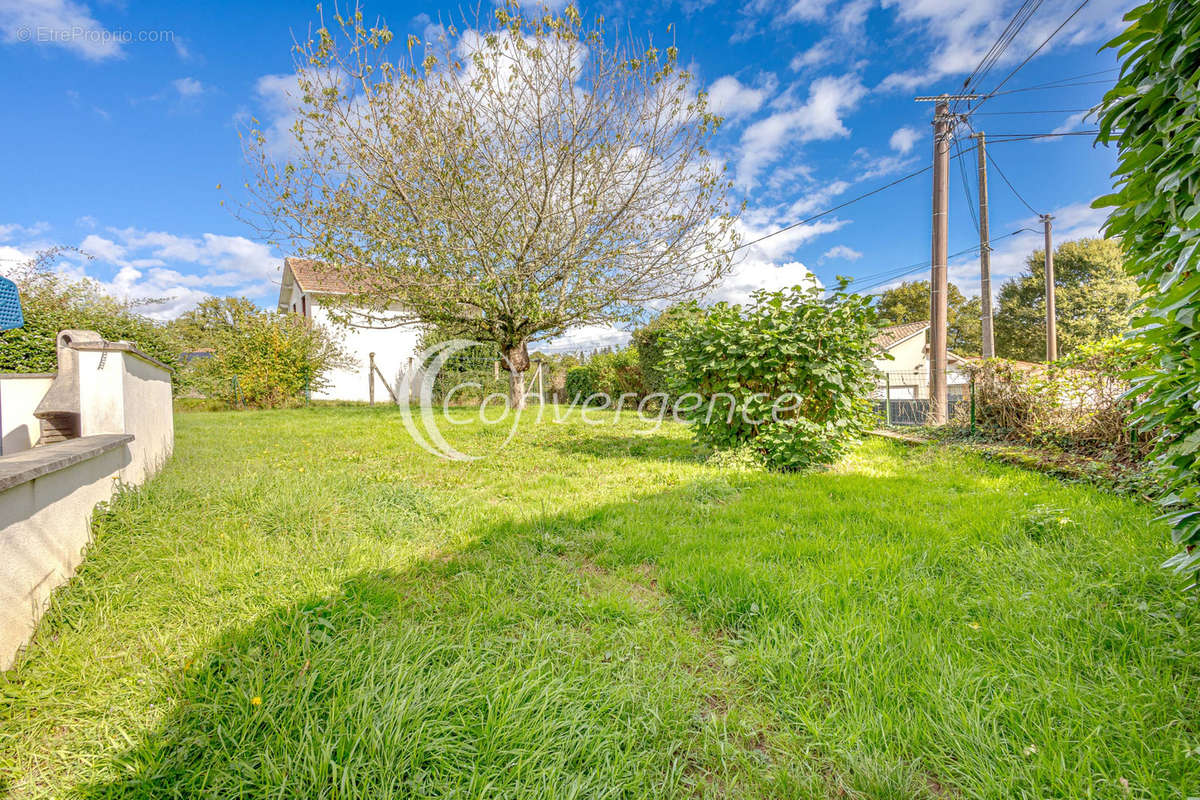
x=306 y=604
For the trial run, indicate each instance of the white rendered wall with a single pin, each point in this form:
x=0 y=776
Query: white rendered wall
x=393 y=347
x=46 y=509
x=19 y=397
x=128 y=395
x=45 y=524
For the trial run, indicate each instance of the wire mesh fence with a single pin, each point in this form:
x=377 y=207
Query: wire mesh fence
x=903 y=397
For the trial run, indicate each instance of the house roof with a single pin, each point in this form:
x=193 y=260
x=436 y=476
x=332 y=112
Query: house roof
x=892 y=336
x=312 y=277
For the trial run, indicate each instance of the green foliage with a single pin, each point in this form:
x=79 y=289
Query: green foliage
x=1153 y=116
x=613 y=373
x=474 y=365
x=651 y=340
x=52 y=303
x=909 y=302
x=579 y=383
x=260 y=358
x=1093 y=299
x=789 y=373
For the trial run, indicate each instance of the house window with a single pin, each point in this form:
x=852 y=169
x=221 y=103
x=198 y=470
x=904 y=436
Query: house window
x=304 y=305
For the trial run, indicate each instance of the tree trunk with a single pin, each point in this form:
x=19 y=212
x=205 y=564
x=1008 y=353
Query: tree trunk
x=517 y=359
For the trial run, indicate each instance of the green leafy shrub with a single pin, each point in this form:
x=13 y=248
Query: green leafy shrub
x=617 y=373
x=1152 y=114
x=260 y=358
x=52 y=303
x=614 y=374
x=579 y=383
x=650 y=342
x=788 y=374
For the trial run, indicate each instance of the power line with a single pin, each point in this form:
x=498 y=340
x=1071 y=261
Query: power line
x=1029 y=58
x=816 y=216
x=1010 y=186
x=900 y=272
x=962 y=171
x=1022 y=137
x=1022 y=15
x=1043 y=111
x=1070 y=79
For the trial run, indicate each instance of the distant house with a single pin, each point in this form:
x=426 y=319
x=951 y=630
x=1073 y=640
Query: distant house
x=905 y=376
x=306 y=289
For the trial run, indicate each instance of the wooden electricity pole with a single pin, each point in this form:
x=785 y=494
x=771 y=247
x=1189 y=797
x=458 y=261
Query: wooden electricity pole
x=985 y=252
x=1051 y=323
x=943 y=130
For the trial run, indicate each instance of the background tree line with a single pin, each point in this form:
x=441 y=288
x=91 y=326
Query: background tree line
x=1094 y=297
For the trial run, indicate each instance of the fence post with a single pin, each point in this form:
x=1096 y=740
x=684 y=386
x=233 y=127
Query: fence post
x=887 y=399
x=371 y=380
x=308 y=391
x=972 y=405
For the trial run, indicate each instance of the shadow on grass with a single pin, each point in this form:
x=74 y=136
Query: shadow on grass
x=531 y=664
x=597 y=442
x=516 y=668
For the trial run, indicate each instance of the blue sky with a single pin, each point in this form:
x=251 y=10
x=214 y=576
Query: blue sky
x=123 y=116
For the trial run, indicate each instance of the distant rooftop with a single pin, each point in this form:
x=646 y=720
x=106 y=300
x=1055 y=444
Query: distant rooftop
x=897 y=333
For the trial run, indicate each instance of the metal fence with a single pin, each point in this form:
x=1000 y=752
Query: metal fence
x=911 y=412
x=902 y=397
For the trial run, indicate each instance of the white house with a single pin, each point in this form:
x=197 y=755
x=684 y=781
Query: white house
x=905 y=376
x=306 y=289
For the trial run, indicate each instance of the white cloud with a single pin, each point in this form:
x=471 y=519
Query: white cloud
x=280 y=97
x=819 y=117
x=841 y=252
x=188 y=87
x=816 y=199
x=820 y=53
x=103 y=249
x=730 y=97
x=753 y=274
x=903 y=139
x=807 y=10
x=57 y=22
x=14 y=230
x=959 y=33
x=1075 y=221
x=585 y=338
x=173 y=272
x=1071 y=123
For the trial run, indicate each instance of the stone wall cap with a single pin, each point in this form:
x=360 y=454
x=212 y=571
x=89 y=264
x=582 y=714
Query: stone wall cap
x=26 y=465
x=123 y=347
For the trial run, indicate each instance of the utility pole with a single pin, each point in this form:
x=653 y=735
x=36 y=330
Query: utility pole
x=1051 y=319
x=985 y=252
x=943 y=130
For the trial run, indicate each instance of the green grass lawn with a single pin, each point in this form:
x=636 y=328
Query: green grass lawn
x=306 y=604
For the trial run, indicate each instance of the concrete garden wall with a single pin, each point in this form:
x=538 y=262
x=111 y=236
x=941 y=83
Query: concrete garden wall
x=19 y=396
x=49 y=492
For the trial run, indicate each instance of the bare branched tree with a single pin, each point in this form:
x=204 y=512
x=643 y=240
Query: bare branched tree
x=504 y=181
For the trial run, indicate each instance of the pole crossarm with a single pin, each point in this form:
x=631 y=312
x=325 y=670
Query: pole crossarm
x=941 y=98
